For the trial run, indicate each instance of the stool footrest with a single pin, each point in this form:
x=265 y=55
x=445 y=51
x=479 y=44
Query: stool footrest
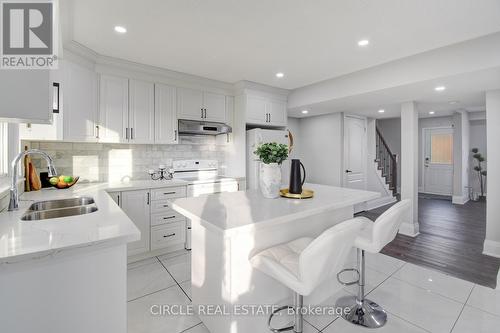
x=350 y=283
x=283 y=329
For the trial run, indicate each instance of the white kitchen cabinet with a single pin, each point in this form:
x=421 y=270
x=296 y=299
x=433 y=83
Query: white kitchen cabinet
x=116 y=196
x=189 y=104
x=262 y=110
x=136 y=205
x=113 y=109
x=215 y=107
x=165 y=115
x=79 y=91
x=197 y=105
x=26 y=96
x=277 y=113
x=141 y=112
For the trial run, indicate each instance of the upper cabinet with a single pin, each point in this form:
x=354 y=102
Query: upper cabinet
x=141 y=112
x=113 y=109
x=165 y=115
x=263 y=110
x=79 y=91
x=197 y=105
x=26 y=95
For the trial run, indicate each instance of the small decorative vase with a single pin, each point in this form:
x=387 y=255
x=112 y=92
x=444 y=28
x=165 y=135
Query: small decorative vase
x=270 y=180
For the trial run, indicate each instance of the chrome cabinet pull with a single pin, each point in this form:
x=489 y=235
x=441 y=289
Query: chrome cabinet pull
x=148 y=199
x=166 y=193
x=126 y=133
x=169 y=235
x=169 y=217
x=131 y=133
x=118 y=200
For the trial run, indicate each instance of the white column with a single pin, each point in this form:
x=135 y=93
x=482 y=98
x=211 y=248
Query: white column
x=492 y=241
x=409 y=165
x=461 y=152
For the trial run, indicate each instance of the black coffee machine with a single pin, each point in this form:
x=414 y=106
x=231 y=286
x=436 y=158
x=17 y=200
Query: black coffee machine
x=296 y=178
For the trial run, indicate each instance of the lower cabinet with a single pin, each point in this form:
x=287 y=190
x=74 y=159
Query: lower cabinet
x=161 y=227
x=136 y=205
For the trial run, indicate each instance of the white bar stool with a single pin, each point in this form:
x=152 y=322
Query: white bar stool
x=304 y=263
x=372 y=238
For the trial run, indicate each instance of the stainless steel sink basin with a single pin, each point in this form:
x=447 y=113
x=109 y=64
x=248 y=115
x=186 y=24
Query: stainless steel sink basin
x=55 y=213
x=62 y=203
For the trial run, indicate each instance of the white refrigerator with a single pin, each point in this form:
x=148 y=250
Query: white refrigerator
x=256 y=137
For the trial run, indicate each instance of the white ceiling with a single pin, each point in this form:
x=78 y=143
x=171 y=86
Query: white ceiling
x=466 y=89
x=310 y=41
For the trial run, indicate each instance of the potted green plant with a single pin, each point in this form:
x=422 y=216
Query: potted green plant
x=481 y=174
x=271 y=155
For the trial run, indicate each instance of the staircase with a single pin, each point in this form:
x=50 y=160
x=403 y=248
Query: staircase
x=387 y=163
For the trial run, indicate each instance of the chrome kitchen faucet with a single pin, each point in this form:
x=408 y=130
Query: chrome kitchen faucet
x=14 y=192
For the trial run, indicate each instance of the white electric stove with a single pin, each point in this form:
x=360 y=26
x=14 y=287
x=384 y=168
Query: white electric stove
x=203 y=178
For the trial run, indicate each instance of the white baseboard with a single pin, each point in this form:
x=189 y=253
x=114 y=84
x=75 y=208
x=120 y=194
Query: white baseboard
x=409 y=229
x=379 y=202
x=491 y=248
x=459 y=199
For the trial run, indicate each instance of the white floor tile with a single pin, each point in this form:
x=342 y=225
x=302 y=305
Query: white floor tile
x=382 y=263
x=141 y=320
x=485 y=299
x=175 y=254
x=147 y=277
x=179 y=267
x=200 y=328
x=477 y=321
x=186 y=286
x=436 y=282
x=142 y=262
x=323 y=320
x=372 y=279
x=393 y=325
x=417 y=305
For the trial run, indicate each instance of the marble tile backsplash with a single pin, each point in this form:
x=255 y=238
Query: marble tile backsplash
x=102 y=162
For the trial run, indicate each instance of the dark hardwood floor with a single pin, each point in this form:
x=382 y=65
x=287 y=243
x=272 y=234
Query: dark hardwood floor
x=450 y=240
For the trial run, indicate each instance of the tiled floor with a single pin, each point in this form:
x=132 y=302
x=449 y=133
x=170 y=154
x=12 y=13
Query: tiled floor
x=417 y=299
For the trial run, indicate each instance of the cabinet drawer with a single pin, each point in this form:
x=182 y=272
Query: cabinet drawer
x=168 y=193
x=166 y=217
x=167 y=235
x=160 y=206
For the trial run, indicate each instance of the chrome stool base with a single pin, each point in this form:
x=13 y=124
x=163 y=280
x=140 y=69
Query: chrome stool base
x=298 y=323
x=365 y=313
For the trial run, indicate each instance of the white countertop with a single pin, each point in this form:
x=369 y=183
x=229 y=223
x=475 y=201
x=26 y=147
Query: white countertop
x=233 y=210
x=22 y=240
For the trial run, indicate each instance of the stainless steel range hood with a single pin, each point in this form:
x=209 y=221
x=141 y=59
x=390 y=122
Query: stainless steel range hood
x=197 y=127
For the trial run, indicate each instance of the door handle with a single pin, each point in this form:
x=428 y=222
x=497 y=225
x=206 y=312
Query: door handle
x=126 y=133
x=131 y=133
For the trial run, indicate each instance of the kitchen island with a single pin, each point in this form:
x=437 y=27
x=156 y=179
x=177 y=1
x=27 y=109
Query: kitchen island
x=229 y=228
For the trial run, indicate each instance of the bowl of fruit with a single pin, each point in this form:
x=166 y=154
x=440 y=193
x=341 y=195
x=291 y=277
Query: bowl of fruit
x=63 y=181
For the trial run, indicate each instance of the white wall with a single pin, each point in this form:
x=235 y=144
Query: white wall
x=294 y=128
x=477 y=140
x=319 y=143
x=492 y=241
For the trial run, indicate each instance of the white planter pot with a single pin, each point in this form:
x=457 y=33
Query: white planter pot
x=270 y=180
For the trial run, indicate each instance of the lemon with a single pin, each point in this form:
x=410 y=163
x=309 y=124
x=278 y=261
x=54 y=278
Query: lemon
x=53 y=180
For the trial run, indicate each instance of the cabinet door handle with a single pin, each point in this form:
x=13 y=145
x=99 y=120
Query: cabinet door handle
x=165 y=206
x=201 y=113
x=205 y=113
x=126 y=133
x=269 y=117
x=131 y=133
x=147 y=199
x=165 y=193
x=97 y=131
x=169 y=235
x=175 y=135
x=118 y=200
x=169 y=217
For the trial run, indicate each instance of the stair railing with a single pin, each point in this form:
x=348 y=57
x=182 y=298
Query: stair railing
x=387 y=162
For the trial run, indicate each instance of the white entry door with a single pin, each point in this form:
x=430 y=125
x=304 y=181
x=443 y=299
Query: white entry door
x=355 y=152
x=438 y=161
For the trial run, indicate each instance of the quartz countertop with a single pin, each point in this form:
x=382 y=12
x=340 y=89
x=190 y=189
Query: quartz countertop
x=229 y=211
x=22 y=240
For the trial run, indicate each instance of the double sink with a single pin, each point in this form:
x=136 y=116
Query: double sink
x=51 y=209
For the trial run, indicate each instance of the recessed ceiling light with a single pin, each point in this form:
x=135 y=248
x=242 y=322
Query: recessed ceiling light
x=431 y=112
x=305 y=112
x=364 y=42
x=120 y=29
x=440 y=88
x=280 y=75
x=381 y=111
